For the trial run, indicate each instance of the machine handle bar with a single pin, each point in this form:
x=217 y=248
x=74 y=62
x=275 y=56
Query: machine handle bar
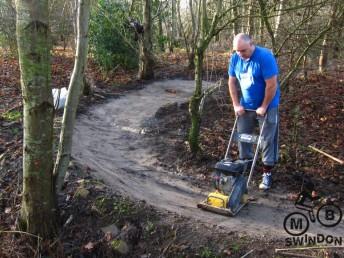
x=252 y=110
x=257 y=146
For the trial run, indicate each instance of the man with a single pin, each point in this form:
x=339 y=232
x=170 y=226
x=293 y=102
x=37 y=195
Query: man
x=256 y=70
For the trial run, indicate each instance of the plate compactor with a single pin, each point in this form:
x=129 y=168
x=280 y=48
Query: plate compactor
x=231 y=177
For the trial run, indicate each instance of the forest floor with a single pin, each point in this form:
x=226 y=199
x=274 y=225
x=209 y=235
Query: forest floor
x=97 y=221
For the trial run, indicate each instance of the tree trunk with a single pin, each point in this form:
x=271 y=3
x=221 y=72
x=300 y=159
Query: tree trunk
x=74 y=92
x=278 y=18
x=194 y=36
x=38 y=211
x=250 y=22
x=189 y=47
x=74 y=7
x=261 y=31
x=207 y=33
x=304 y=68
x=195 y=101
x=265 y=20
x=338 y=34
x=323 y=56
x=174 y=22
x=146 y=62
x=197 y=96
x=161 y=34
x=236 y=21
x=337 y=43
x=191 y=59
x=170 y=26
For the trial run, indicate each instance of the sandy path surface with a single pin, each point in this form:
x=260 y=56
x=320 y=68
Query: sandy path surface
x=109 y=140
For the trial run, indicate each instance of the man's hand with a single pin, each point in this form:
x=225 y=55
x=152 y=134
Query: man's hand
x=261 y=111
x=239 y=110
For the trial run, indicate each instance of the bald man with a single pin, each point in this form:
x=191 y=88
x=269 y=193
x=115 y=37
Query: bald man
x=256 y=70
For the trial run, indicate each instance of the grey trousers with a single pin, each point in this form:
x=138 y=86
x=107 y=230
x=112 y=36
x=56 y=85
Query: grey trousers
x=269 y=145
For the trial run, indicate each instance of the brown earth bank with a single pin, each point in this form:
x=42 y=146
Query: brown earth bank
x=99 y=222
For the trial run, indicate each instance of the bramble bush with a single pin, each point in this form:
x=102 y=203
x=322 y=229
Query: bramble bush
x=111 y=39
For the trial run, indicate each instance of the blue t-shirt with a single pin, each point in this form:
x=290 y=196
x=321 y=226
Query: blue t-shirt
x=252 y=74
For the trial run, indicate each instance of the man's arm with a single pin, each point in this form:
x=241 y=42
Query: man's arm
x=270 y=91
x=238 y=109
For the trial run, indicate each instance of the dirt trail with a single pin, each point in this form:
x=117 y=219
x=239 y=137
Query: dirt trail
x=109 y=140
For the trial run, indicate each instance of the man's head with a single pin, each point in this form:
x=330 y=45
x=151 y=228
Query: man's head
x=243 y=45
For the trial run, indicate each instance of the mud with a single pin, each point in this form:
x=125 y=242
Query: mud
x=110 y=139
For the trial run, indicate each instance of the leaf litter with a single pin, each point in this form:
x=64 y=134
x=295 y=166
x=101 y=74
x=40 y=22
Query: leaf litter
x=312 y=112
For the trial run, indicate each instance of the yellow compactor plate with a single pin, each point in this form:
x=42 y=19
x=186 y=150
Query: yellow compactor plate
x=217 y=202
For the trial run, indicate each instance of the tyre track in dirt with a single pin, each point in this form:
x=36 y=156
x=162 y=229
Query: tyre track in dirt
x=108 y=138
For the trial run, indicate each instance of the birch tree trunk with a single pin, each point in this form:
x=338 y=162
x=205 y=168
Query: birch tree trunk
x=323 y=55
x=146 y=61
x=278 y=18
x=37 y=215
x=261 y=31
x=250 y=22
x=323 y=58
x=304 y=67
x=74 y=92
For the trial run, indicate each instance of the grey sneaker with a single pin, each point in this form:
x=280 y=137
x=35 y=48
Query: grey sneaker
x=266 y=182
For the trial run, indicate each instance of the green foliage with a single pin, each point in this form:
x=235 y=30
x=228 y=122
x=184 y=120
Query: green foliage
x=103 y=205
x=118 y=207
x=149 y=229
x=161 y=41
x=12 y=115
x=236 y=247
x=110 y=37
x=7 y=42
x=123 y=207
x=15 y=131
x=206 y=252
